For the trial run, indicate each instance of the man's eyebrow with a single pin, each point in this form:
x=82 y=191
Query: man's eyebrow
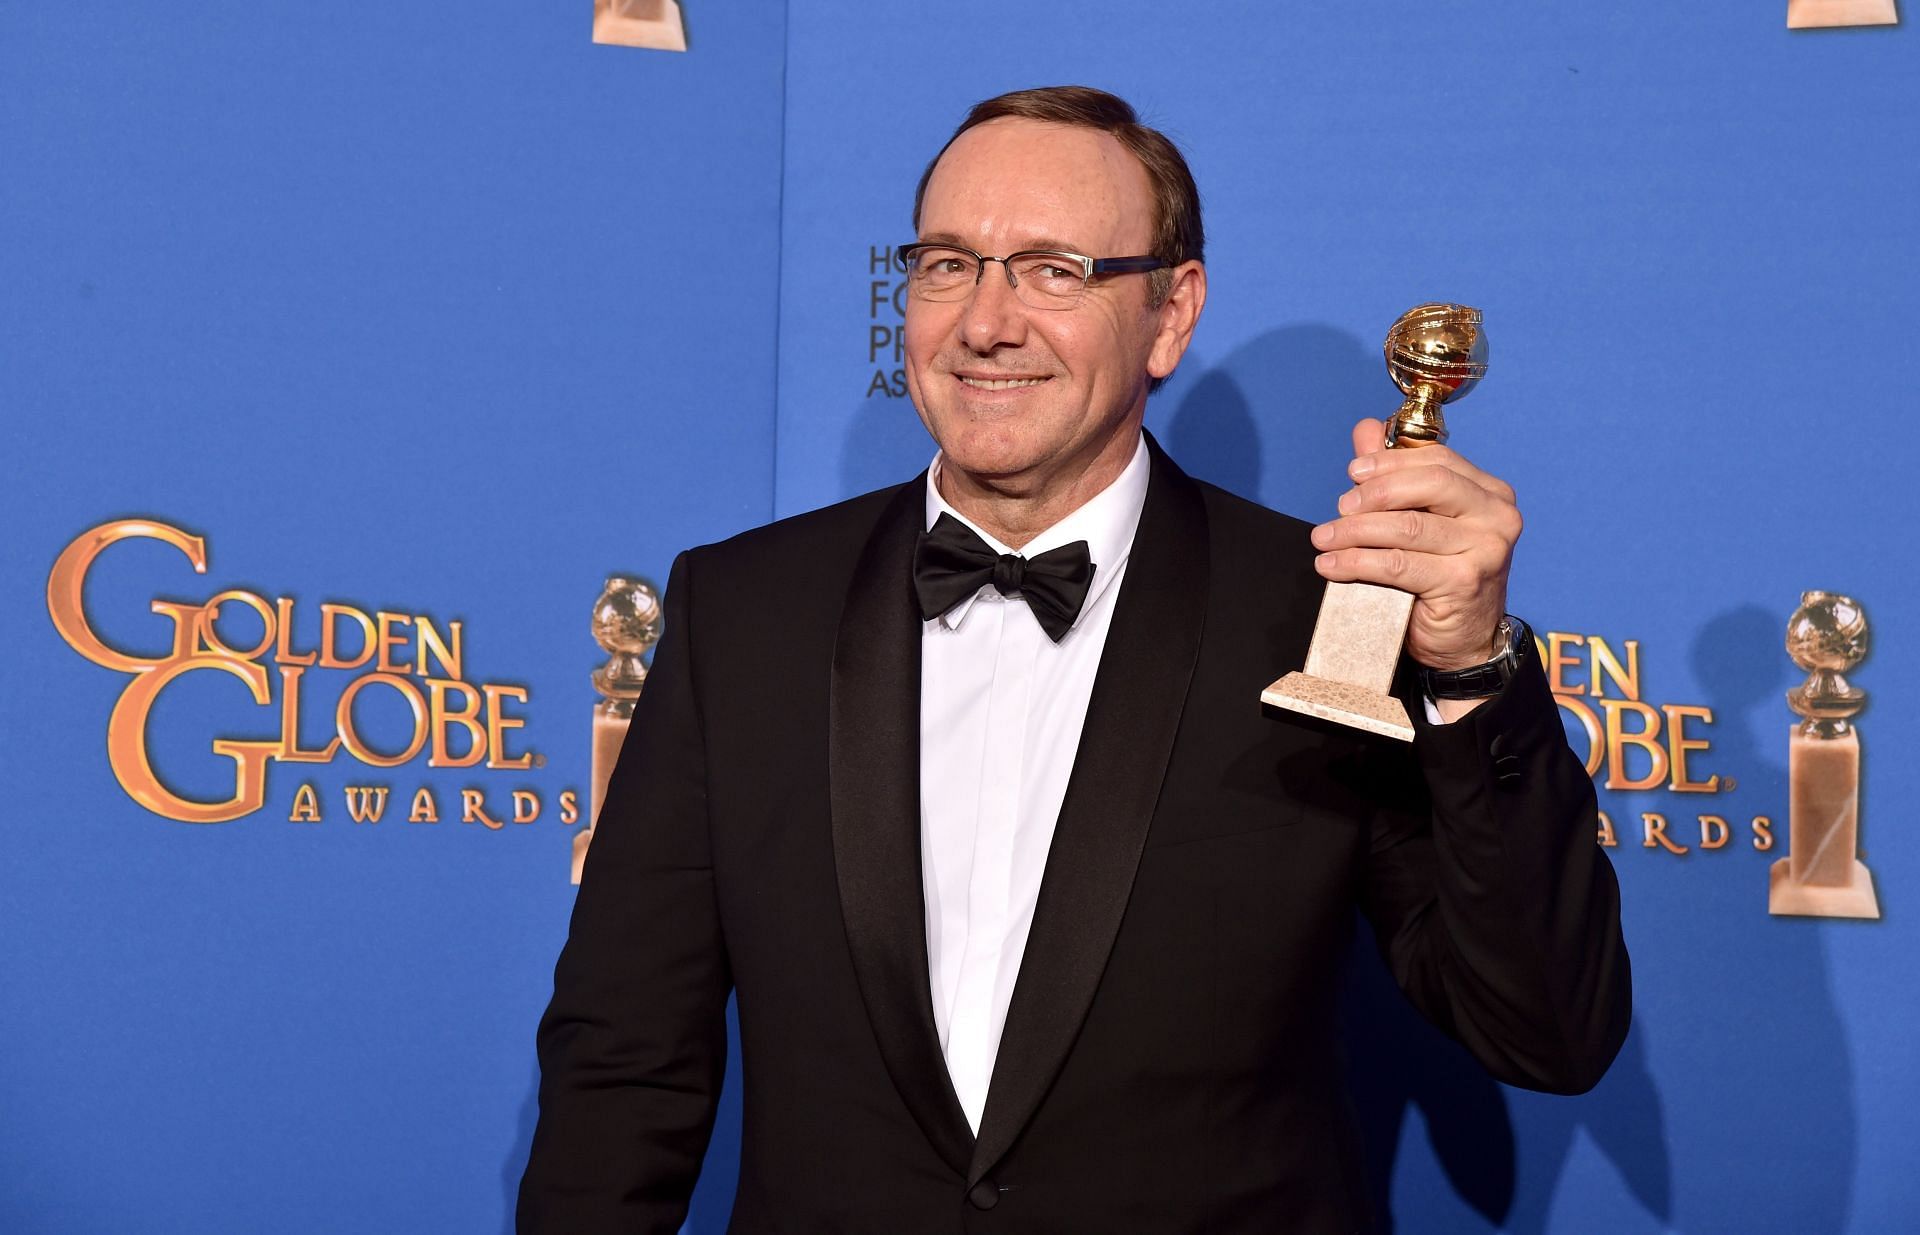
x=1041 y=244
x=1052 y=246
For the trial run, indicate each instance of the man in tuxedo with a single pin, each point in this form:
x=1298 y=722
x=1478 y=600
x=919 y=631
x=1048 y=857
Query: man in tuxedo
x=1034 y=919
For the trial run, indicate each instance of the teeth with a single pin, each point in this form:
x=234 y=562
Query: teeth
x=1002 y=383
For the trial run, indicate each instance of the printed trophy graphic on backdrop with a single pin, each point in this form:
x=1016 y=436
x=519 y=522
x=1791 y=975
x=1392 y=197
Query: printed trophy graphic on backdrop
x=1822 y=876
x=626 y=624
x=1806 y=14
x=1435 y=354
x=640 y=23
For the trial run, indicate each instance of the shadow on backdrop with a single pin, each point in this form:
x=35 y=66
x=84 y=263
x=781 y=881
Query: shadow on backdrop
x=885 y=445
x=1622 y=1117
x=1272 y=420
x=1736 y=1022
x=1396 y=1060
x=1212 y=433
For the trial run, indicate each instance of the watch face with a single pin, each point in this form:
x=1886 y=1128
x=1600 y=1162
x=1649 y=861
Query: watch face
x=1517 y=636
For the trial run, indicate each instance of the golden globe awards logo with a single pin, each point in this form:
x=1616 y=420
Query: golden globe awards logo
x=1815 y=866
x=455 y=723
x=1633 y=746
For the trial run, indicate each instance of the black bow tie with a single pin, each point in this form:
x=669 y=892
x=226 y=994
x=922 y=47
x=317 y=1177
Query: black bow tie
x=950 y=563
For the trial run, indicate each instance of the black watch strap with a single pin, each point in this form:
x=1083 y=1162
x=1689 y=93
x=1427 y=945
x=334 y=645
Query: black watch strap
x=1482 y=681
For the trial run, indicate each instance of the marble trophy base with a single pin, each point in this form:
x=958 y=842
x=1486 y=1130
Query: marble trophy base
x=1853 y=899
x=1822 y=876
x=1809 y=14
x=657 y=24
x=1350 y=663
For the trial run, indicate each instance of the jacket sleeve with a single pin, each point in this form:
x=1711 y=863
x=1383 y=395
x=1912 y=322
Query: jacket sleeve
x=633 y=1046
x=1493 y=903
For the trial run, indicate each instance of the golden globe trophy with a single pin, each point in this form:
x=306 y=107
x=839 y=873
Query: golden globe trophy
x=1806 y=14
x=626 y=623
x=1822 y=876
x=1435 y=354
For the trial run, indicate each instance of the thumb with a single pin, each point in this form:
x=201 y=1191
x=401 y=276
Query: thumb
x=1369 y=435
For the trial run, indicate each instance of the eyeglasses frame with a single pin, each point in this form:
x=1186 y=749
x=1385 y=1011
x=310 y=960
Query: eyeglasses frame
x=1090 y=265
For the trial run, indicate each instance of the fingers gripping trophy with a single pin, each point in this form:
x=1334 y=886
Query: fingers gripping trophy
x=1435 y=353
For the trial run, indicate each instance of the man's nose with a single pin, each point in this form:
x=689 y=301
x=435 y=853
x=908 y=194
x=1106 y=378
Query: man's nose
x=994 y=316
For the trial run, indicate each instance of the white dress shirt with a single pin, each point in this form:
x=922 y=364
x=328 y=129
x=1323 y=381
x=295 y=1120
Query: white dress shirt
x=1001 y=707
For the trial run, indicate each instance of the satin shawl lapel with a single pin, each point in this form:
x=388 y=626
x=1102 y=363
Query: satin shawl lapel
x=1132 y=716
x=874 y=771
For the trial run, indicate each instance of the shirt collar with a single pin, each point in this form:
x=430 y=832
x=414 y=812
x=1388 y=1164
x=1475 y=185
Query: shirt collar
x=1106 y=521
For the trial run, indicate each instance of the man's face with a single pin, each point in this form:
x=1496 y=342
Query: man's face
x=1081 y=374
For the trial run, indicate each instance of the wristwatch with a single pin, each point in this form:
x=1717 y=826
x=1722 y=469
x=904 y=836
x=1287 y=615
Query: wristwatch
x=1482 y=681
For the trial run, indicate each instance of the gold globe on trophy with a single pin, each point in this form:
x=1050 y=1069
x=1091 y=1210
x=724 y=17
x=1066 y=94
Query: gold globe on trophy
x=1827 y=637
x=1435 y=353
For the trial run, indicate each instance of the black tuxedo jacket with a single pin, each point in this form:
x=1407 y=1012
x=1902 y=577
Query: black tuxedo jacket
x=1170 y=1058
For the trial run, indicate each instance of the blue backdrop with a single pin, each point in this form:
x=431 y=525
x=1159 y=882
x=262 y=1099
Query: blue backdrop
x=447 y=313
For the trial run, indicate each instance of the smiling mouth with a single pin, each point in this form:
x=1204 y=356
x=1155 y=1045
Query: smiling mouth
x=1000 y=383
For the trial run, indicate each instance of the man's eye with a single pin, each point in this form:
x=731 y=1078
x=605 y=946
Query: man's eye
x=1049 y=270
x=942 y=265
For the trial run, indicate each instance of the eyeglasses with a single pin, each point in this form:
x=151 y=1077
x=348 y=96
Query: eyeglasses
x=1041 y=278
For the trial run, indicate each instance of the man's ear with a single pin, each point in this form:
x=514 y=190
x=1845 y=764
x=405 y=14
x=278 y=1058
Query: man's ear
x=1179 y=313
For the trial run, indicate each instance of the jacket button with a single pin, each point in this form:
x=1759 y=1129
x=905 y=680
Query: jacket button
x=984 y=1195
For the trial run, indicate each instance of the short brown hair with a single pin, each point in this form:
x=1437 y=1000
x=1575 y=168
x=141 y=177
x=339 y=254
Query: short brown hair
x=1177 y=233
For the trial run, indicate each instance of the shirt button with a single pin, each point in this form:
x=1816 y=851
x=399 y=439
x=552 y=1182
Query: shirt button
x=985 y=1195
